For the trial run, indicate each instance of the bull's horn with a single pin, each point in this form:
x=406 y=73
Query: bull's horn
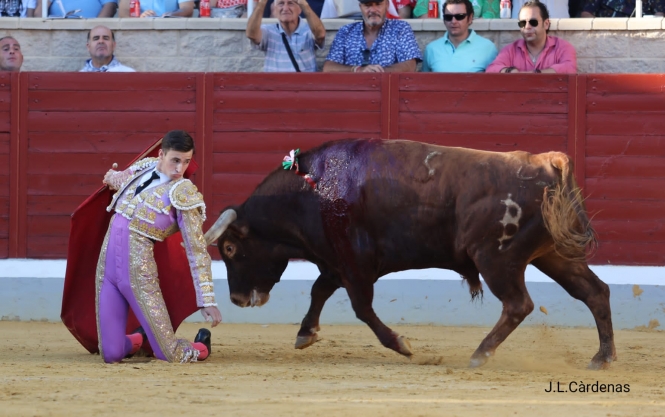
x=225 y=219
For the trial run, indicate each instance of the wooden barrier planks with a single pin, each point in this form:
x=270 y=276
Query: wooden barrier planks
x=60 y=131
x=625 y=156
x=257 y=120
x=490 y=112
x=78 y=126
x=7 y=164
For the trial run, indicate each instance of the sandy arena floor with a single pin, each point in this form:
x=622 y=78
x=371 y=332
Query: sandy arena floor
x=254 y=371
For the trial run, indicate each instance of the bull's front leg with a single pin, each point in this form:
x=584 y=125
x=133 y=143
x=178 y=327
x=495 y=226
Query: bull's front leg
x=324 y=287
x=361 y=296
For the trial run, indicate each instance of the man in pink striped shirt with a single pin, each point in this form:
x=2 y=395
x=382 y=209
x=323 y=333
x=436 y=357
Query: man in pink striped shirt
x=537 y=52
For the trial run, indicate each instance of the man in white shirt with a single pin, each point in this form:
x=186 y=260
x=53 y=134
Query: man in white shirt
x=101 y=45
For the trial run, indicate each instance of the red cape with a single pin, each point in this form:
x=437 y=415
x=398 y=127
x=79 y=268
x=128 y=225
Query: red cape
x=90 y=222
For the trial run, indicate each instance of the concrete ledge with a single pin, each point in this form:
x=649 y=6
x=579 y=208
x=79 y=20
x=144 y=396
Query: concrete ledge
x=574 y=24
x=610 y=23
x=395 y=301
x=32 y=290
x=654 y=23
x=504 y=24
x=9 y=22
x=220 y=45
x=578 y=24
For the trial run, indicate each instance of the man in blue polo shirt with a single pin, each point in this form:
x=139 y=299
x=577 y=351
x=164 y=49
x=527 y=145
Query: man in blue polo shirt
x=460 y=49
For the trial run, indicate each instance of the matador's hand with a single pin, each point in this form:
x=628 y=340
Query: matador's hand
x=109 y=174
x=213 y=314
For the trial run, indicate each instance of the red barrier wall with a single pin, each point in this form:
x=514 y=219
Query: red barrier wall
x=59 y=132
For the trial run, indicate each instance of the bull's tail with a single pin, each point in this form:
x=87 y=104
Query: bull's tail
x=565 y=215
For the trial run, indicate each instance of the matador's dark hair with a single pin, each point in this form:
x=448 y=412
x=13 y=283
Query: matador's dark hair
x=177 y=140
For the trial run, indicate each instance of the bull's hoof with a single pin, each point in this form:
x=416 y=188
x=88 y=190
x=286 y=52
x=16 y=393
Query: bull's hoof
x=403 y=346
x=478 y=360
x=306 y=341
x=598 y=362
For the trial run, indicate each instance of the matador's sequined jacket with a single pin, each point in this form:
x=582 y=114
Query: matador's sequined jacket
x=161 y=211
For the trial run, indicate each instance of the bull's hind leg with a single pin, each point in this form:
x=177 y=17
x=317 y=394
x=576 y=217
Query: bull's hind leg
x=508 y=287
x=581 y=283
x=324 y=286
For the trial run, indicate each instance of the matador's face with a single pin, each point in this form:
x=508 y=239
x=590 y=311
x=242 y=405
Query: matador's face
x=174 y=163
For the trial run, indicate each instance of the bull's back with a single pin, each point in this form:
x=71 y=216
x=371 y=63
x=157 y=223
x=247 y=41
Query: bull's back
x=417 y=205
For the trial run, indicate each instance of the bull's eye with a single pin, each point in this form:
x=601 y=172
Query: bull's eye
x=229 y=249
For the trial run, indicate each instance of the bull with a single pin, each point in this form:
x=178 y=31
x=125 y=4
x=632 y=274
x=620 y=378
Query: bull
x=360 y=209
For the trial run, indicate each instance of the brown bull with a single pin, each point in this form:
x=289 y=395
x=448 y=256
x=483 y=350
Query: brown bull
x=361 y=209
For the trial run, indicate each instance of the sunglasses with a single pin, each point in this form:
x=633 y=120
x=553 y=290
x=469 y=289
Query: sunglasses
x=366 y=56
x=532 y=22
x=458 y=17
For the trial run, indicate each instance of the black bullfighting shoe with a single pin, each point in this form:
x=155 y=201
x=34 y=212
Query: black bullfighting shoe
x=204 y=336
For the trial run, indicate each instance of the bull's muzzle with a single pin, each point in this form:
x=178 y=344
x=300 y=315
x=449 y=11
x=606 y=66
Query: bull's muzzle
x=253 y=299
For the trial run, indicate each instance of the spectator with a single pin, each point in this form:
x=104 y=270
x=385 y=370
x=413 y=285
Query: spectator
x=621 y=8
x=557 y=9
x=405 y=8
x=269 y=11
x=19 y=8
x=482 y=9
x=159 y=8
x=537 y=52
x=82 y=8
x=11 y=57
x=376 y=44
x=101 y=45
x=299 y=36
x=460 y=49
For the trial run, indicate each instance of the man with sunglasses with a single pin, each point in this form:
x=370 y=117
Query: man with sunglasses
x=537 y=52
x=460 y=49
x=376 y=44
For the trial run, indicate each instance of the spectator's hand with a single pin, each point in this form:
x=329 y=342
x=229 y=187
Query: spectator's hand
x=302 y=3
x=213 y=314
x=148 y=13
x=371 y=68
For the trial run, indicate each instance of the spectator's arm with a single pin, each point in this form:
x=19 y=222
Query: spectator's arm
x=315 y=24
x=407 y=50
x=337 y=60
x=405 y=12
x=404 y=66
x=123 y=8
x=590 y=8
x=566 y=59
x=658 y=7
x=426 y=67
x=331 y=66
x=38 y=9
x=503 y=60
x=185 y=9
x=420 y=11
x=253 y=31
x=108 y=9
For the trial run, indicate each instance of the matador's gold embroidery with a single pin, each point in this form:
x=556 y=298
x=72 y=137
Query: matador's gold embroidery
x=195 y=245
x=145 y=286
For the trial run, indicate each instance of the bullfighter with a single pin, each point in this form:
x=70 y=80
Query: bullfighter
x=152 y=202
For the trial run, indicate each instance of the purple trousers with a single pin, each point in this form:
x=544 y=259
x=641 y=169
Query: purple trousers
x=127 y=278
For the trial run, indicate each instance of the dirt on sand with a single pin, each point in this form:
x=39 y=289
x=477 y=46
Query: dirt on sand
x=255 y=371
